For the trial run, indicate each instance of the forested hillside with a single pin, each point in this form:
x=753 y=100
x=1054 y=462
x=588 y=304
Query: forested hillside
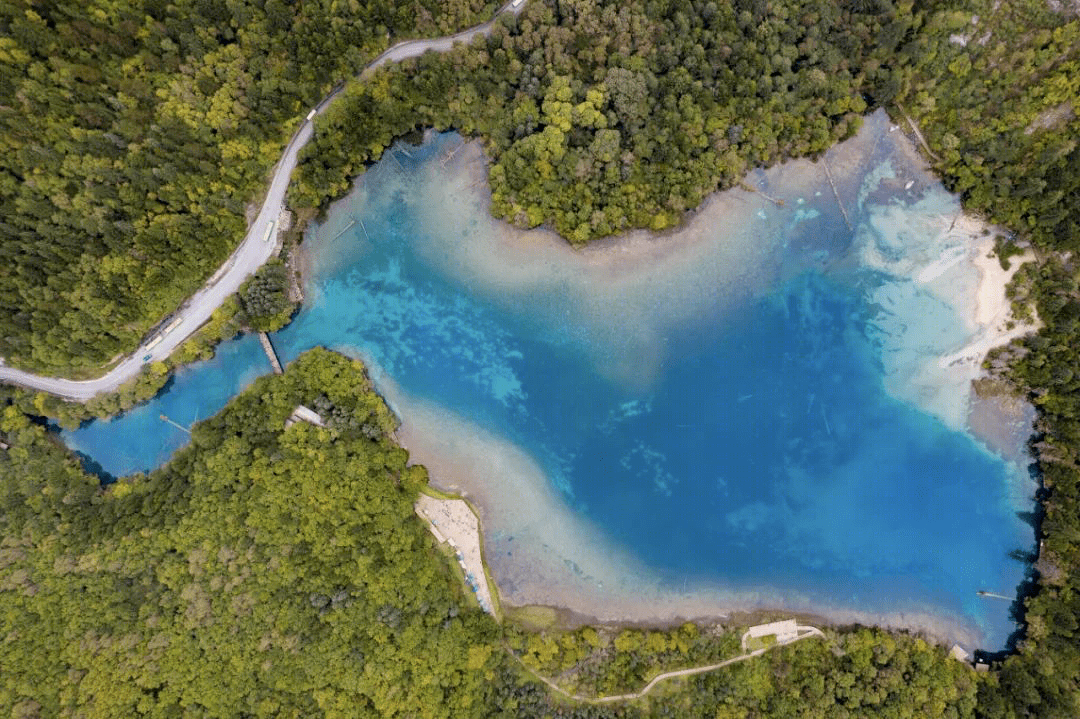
x=272 y=572
x=132 y=136
x=135 y=132
x=263 y=571
x=995 y=89
x=603 y=116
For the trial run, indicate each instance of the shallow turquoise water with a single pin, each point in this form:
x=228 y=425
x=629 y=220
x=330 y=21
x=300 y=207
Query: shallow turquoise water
x=725 y=415
x=140 y=440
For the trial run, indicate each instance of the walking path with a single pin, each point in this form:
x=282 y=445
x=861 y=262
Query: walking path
x=252 y=253
x=804 y=632
x=918 y=135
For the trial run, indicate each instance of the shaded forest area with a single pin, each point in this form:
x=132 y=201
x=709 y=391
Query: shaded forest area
x=133 y=134
x=272 y=572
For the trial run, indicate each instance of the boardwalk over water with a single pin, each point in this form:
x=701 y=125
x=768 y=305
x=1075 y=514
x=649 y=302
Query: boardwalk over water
x=270 y=353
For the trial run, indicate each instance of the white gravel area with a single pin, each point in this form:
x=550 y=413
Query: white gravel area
x=452 y=521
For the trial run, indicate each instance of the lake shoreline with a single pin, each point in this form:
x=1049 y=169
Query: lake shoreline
x=987 y=311
x=605 y=585
x=568 y=610
x=514 y=257
x=560 y=618
x=614 y=310
x=612 y=259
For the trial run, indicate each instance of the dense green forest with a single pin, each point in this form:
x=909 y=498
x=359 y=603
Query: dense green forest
x=134 y=133
x=262 y=572
x=602 y=116
x=272 y=572
x=264 y=298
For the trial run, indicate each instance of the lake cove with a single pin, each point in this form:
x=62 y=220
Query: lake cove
x=765 y=409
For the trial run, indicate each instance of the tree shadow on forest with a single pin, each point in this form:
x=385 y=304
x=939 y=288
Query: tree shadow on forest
x=91 y=466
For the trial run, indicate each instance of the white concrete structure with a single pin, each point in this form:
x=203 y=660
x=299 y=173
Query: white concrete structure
x=308 y=415
x=303 y=414
x=785 y=630
x=959 y=653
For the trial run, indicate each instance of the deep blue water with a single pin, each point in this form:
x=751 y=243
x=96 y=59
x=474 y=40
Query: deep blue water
x=761 y=451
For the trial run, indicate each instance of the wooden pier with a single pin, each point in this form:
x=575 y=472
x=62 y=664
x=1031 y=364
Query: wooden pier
x=182 y=428
x=828 y=174
x=750 y=188
x=992 y=595
x=270 y=353
x=344 y=230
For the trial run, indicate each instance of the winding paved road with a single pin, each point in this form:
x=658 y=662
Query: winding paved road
x=248 y=257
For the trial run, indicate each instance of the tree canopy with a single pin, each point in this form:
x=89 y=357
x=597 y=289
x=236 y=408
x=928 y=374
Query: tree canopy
x=134 y=133
x=605 y=116
x=262 y=572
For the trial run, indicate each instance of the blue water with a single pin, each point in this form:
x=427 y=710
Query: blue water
x=141 y=440
x=750 y=443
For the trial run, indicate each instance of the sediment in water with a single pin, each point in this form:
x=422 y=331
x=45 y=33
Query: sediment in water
x=619 y=301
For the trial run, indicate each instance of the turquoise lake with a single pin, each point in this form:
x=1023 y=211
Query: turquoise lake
x=752 y=412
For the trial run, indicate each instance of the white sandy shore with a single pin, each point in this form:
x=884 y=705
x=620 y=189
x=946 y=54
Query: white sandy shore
x=988 y=311
x=992 y=312
x=950 y=261
x=453 y=522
